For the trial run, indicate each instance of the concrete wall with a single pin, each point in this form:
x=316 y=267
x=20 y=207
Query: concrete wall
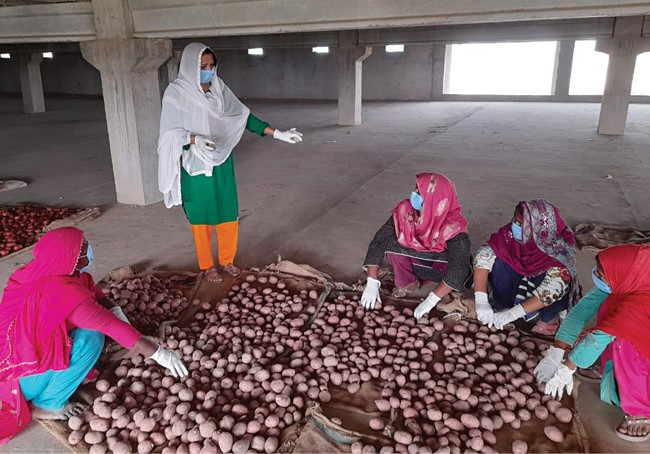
x=66 y=73
x=299 y=73
x=279 y=73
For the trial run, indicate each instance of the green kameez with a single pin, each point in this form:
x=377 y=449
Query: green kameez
x=213 y=200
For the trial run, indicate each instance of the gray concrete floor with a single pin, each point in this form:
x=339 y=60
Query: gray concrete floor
x=320 y=202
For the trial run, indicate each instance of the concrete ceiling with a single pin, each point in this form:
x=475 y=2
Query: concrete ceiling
x=35 y=2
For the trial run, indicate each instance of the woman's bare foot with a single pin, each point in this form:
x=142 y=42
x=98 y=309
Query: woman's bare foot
x=401 y=292
x=70 y=410
x=634 y=429
x=212 y=275
x=232 y=270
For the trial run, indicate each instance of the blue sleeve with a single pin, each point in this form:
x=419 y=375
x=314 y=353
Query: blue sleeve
x=589 y=349
x=577 y=319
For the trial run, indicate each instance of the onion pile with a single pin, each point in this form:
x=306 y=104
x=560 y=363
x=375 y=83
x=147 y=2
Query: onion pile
x=21 y=225
x=254 y=366
x=148 y=301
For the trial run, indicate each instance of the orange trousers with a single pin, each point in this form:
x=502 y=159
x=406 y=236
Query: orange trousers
x=227 y=237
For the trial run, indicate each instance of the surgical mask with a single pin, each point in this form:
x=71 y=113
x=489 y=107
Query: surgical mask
x=517 y=231
x=416 y=201
x=90 y=256
x=602 y=285
x=207 y=75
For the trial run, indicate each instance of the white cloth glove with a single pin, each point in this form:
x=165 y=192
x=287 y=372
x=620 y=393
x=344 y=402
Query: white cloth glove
x=117 y=311
x=290 y=136
x=425 y=306
x=171 y=361
x=561 y=380
x=204 y=144
x=549 y=365
x=484 y=311
x=370 y=295
x=501 y=319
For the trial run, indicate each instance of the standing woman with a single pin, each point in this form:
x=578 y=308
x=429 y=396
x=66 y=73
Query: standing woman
x=201 y=123
x=52 y=326
x=621 y=338
x=424 y=239
x=530 y=264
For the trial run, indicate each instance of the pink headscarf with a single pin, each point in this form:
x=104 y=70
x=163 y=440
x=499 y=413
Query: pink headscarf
x=439 y=221
x=33 y=334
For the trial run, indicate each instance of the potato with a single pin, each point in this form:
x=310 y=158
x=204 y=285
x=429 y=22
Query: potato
x=145 y=447
x=185 y=395
x=270 y=445
x=93 y=438
x=376 y=424
x=241 y=446
x=554 y=434
x=225 y=442
x=519 y=447
x=100 y=424
x=471 y=422
x=98 y=449
x=147 y=425
x=564 y=415
x=75 y=437
x=122 y=448
x=403 y=437
x=75 y=423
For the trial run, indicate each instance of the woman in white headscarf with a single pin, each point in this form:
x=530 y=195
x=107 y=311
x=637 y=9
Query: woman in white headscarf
x=201 y=122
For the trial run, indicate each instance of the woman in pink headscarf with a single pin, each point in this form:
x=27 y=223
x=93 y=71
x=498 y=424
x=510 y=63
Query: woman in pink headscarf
x=52 y=325
x=425 y=239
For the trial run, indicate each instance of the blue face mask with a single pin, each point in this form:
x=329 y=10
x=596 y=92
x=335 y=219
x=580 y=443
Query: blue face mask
x=602 y=285
x=416 y=201
x=89 y=255
x=207 y=75
x=517 y=231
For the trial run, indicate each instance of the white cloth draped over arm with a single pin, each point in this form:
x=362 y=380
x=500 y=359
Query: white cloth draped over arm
x=173 y=137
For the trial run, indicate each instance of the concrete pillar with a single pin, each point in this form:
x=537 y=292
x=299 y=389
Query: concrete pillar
x=438 y=71
x=622 y=49
x=31 y=83
x=169 y=71
x=351 y=59
x=131 y=91
x=563 y=66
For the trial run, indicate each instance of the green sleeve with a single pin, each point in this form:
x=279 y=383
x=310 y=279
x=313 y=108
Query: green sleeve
x=577 y=319
x=255 y=125
x=589 y=349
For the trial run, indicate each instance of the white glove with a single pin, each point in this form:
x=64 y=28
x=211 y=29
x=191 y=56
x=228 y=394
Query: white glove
x=290 y=136
x=425 y=306
x=171 y=361
x=501 y=319
x=370 y=295
x=117 y=311
x=549 y=365
x=563 y=378
x=484 y=311
x=204 y=144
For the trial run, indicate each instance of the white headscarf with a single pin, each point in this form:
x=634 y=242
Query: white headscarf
x=186 y=109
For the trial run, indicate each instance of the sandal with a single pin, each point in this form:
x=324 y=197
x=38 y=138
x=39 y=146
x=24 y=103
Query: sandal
x=212 y=275
x=590 y=374
x=401 y=292
x=232 y=270
x=632 y=422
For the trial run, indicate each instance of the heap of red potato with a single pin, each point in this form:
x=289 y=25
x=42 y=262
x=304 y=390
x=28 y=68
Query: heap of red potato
x=148 y=301
x=20 y=225
x=254 y=366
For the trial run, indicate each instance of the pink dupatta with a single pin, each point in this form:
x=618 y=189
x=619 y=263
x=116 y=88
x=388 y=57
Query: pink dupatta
x=33 y=334
x=439 y=221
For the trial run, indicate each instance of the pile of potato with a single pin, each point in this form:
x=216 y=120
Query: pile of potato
x=255 y=366
x=20 y=225
x=148 y=301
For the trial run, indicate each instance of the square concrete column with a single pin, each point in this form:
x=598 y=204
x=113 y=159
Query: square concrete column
x=31 y=83
x=351 y=59
x=563 y=66
x=622 y=49
x=129 y=72
x=438 y=71
x=169 y=72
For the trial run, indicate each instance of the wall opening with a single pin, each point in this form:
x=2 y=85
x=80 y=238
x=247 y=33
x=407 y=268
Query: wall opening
x=522 y=68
